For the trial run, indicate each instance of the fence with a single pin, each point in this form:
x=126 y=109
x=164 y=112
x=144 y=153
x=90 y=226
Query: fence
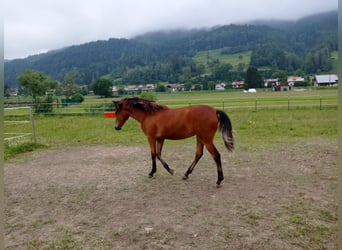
x=262 y=103
x=282 y=103
x=242 y=103
x=18 y=120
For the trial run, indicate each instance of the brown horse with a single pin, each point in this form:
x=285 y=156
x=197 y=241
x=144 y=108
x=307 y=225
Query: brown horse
x=160 y=122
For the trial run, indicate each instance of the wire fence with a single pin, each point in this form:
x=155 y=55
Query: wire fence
x=255 y=104
x=248 y=103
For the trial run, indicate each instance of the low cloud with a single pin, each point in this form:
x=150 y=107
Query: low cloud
x=44 y=25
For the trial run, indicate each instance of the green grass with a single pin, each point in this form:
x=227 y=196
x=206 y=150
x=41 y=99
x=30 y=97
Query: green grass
x=268 y=125
x=251 y=129
x=14 y=150
x=305 y=226
x=205 y=57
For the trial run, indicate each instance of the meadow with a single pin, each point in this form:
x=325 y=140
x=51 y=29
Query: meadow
x=85 y=185
x=273 y=114
x=206 y=57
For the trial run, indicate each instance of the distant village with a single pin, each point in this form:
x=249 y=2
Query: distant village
x=292 y=83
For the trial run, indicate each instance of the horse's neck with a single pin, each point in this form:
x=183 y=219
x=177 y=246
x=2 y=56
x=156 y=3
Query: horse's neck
x=138 y=115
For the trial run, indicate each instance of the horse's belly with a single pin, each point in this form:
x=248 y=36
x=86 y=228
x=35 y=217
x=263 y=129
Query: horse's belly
x=177 y=137
x=175 y=134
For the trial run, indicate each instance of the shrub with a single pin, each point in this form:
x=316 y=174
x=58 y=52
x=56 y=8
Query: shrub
x=43 y=104
x=148 y=96
x=77 y=98
x=101 y=107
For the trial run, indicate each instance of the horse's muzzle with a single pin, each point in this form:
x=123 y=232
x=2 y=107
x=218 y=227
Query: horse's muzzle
x=117 y=128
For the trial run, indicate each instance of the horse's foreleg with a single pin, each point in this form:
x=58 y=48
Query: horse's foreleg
x=160 y=143
x=217 y=157
x=153 y=156
x=198 y=155
x=154 y=165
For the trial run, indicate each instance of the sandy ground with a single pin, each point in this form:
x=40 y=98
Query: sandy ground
x=99 y=197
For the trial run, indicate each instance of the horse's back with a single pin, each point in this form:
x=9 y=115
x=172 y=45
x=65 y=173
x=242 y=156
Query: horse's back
x=192 y=114
x=179 y=123
x=204 y=118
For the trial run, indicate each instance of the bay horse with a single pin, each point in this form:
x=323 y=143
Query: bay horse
x=159 y=122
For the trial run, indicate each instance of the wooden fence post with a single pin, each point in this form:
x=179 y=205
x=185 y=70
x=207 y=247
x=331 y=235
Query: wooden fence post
x=33 y=126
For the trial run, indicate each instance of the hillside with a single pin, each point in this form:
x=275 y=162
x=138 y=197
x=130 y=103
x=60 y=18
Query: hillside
x=191 y=55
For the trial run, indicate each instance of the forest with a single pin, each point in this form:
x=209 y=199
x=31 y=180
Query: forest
x=302 y=47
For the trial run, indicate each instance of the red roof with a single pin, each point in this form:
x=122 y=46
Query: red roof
x=238 y=83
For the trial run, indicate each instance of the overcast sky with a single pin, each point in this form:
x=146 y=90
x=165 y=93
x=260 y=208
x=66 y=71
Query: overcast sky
x=36 y=26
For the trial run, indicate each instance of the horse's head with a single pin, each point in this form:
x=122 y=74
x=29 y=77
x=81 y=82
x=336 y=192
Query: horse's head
x=121 y=114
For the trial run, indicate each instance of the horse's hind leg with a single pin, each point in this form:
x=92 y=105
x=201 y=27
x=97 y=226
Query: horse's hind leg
x=217 y=157
x=198 y=155
x=160 y=143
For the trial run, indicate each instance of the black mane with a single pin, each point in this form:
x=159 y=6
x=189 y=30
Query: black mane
x=143 y=104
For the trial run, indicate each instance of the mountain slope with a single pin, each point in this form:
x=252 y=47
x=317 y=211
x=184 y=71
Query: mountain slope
x=163 y=55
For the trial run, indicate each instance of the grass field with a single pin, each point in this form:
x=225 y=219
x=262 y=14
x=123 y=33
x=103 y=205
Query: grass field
x=279 y=116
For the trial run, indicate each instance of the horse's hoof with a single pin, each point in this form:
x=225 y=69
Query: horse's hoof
x=171 y=171
x=185 y=177
x=218 y=184
x=150 y=175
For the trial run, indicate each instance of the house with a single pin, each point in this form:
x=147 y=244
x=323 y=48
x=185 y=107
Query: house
x=115 y=90
x=292 y=80
x=220 y=86
x=238 y=84
x=271 y=82
x=175 y=86
x=282 y=87
x=131 y=88
x=325 y=80
x=149 y=86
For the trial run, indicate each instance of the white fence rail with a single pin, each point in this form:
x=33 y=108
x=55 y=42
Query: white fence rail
x=10 y=136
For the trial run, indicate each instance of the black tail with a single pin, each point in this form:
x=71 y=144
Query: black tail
x=225 y=126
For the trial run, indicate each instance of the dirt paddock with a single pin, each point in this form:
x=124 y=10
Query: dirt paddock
x=99 y=197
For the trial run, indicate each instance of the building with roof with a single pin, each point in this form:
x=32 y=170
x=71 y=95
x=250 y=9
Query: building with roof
x=325 y=80
x=238 y=84
x=271 y=82
x=292 y=80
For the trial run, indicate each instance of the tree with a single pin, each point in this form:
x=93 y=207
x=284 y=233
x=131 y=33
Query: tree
x=222 y=72
x=281 y=75
x=7 y=91
x=241 y=67
x=103 y=87
x=299 y=72
x=160 y=88
x=69 y=84
x=253 y=79
x=211 y=85
x=318 y=60
x=35 y=83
